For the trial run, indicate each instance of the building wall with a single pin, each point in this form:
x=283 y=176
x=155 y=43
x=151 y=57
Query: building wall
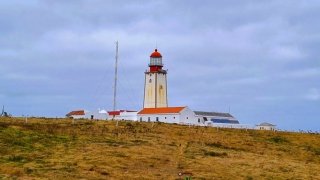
x=272 y=128
x=199 y=119
x=131 y=116
x=187 y=116
x=155 y=92
x=96 y=115
x=202 y=120
x=167 y=118
x=77 y=116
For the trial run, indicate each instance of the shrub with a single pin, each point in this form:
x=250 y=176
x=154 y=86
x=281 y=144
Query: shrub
x=215 y=154
x=278 y=139
x=15 y=158
x=215 y=144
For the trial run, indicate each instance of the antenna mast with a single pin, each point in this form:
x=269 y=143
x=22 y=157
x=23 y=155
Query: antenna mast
x=115 y=79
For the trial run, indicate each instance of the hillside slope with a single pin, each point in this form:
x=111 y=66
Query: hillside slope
x=59 y=149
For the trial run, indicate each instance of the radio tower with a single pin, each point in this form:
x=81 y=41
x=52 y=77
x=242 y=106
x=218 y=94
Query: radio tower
x=115 y=81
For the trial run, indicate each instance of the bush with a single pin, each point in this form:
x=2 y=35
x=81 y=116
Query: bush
x=215 y=144
x=278 y=139
x=15 y=158
x=215 y=154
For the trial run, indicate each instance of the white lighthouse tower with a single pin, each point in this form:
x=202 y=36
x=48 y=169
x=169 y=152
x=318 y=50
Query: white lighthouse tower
x=155 y=86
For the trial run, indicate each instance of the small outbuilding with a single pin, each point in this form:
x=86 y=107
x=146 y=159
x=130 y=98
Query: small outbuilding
x=266 y=126
x=78 y=114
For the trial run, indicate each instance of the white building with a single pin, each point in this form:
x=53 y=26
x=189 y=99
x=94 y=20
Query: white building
x=103 y=115
x=266 y=126
x=179 y=115
x=78 y=114
x=209 y=118
x=97 y=115
x=155 y=86
x=123 y=115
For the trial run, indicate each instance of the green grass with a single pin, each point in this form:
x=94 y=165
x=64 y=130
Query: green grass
x=59 y=149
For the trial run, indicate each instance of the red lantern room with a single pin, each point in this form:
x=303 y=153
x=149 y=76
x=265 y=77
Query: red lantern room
x=155 y=61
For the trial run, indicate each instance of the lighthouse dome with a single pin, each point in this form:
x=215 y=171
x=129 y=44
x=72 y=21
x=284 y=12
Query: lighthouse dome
x=156 y=54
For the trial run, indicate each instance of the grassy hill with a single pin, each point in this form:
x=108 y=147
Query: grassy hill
x=59 y=149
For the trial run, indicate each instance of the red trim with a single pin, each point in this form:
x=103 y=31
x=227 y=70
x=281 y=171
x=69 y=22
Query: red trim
x=116 y=113
x=155 y=68
x=162 y=110
x=113 y=113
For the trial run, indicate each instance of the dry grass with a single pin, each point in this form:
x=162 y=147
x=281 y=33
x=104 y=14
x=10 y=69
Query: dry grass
x=58 y=149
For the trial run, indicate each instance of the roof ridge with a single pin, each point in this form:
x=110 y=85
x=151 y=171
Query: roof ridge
x=162 y=110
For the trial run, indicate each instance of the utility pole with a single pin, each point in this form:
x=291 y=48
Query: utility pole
x=115 y=80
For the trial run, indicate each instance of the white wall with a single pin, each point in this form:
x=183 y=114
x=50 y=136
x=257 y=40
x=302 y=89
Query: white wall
x=168 y=118
x=272 y=128
x=149 y=90
x=161 y=90
x=202 y=121
x=188 y=116
x=155 y=92
x=197 y=117
x=78 y=116
x=96 y=115
x=131 y=116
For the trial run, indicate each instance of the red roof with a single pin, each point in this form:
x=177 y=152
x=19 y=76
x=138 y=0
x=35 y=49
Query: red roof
x=116 y=113
x=113 y=113
x=79 y=112
x=163 y=110
x=156 y=54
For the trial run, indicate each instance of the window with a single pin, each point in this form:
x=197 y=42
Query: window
x=165 y=117
x=187 y=117
x=157 y=119
x=174 y=117
x=150 y=80
x=198 y=120
x=148 y=119
x=140 y=119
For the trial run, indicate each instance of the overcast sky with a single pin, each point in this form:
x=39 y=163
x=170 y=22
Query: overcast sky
x=258 y=59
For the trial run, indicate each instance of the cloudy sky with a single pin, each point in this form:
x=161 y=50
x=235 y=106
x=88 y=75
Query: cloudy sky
x=258 y=59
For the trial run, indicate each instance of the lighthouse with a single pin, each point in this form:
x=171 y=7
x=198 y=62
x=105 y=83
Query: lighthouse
x=155 y=86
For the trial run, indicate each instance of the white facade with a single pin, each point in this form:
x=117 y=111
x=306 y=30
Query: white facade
x=97 y=115
x=266 y=126
x=155 y=90
x=125 y=115
x=77 y=116
x=185 y=116
x=167 y=118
